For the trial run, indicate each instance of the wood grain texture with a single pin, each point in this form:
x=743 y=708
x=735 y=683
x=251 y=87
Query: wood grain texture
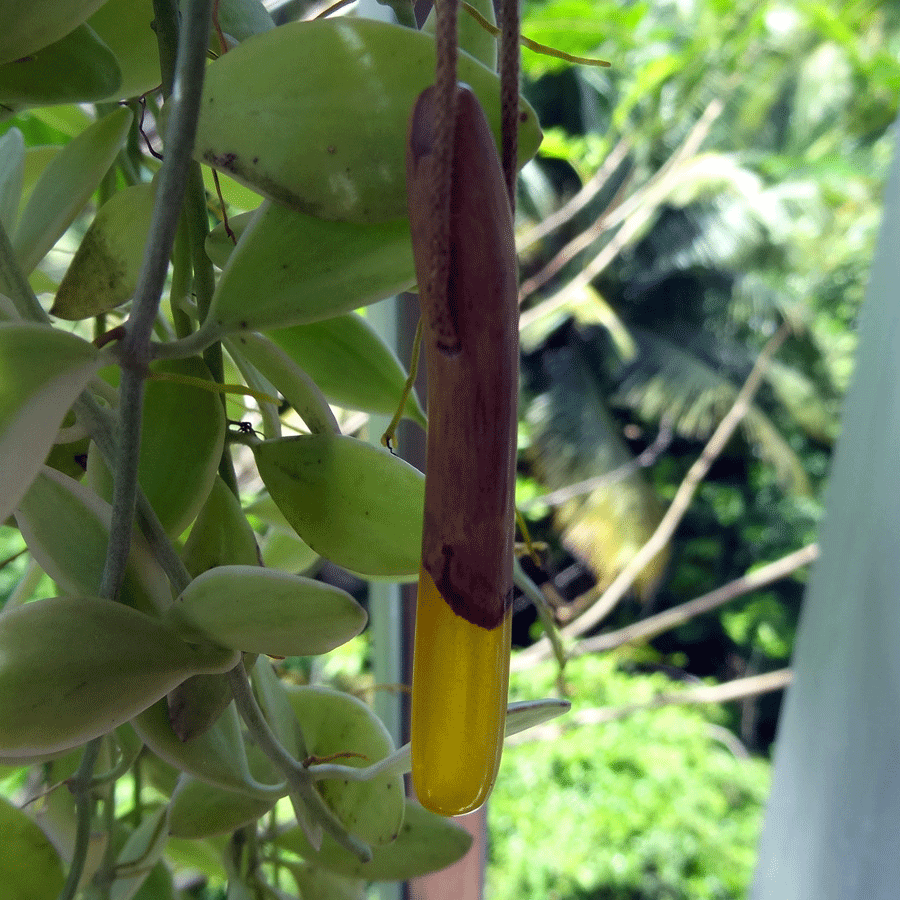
x=472 y=356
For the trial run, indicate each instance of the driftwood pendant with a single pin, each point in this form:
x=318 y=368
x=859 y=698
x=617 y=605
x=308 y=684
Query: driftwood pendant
x=461 y=667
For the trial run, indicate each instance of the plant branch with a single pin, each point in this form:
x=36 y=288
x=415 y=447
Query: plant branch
x=81 y=785
x=655 y=625
x=737 y=689
x=173 y=176
x=677 y=508
x=306 y=800
x=134 y=351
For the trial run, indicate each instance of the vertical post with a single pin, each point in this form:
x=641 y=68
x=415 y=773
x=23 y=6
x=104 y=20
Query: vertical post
x=385 y=611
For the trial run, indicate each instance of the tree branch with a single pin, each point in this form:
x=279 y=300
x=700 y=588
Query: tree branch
x=632 y=214
x=654 y=625
x=737 y=689
x=676 y=511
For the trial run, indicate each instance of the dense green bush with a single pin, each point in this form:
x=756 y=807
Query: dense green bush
x=648 y=807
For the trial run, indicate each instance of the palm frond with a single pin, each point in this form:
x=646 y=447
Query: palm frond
x=670 y=382
x=574 y=438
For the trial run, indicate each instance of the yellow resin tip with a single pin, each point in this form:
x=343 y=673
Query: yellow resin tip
x=459 y=696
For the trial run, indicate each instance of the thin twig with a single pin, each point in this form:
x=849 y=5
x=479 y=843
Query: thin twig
x=646 y=458
x=737 y=689
x=134 y=350
x=573 y=206
x=655 y=625
x=676 y=511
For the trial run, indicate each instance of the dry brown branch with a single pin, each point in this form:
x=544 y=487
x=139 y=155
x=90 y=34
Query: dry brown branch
x=654 y=625
x=737 y=689
x=571 y=208
x=633 y=214
x=676 y=511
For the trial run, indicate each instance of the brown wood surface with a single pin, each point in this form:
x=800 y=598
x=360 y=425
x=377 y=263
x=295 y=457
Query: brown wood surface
x=472 y=357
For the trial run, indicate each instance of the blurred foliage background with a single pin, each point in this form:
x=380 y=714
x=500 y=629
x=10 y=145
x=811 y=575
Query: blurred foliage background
x=727 y=170
x=724 y=176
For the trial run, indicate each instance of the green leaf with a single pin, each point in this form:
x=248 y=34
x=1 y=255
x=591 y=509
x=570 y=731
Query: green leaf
x=426 y=843
x=314 y=883
x=73 y=668
x=104 y=272
x=221 y=534
x=66 y=528
x=309 y=141
x=285 y=551
x=200 y=810
x=351 y=364
x=336 y=723
x=29 y=866
x=353 y=503
x=289 y=268
x=126 y=26
x=264 y=611
x=66 y=185
x=33 y=25
x=218 y=756
x=182 y=438
x=240 y=19
x=142 y=850
x=78 y=68
x=42 y=371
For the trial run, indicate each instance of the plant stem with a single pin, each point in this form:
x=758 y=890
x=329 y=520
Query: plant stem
x=197 y=219
x=134 y=351
x=15 y=285
x=181 y=281
x=166 y=23
x=81 y=786
x=306 y=800
x=676 y=511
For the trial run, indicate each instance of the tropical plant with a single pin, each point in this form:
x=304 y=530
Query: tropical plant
x=148 y=666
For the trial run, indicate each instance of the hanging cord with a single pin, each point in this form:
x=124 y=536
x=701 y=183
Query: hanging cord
x=509 y=93
x=444 y=129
